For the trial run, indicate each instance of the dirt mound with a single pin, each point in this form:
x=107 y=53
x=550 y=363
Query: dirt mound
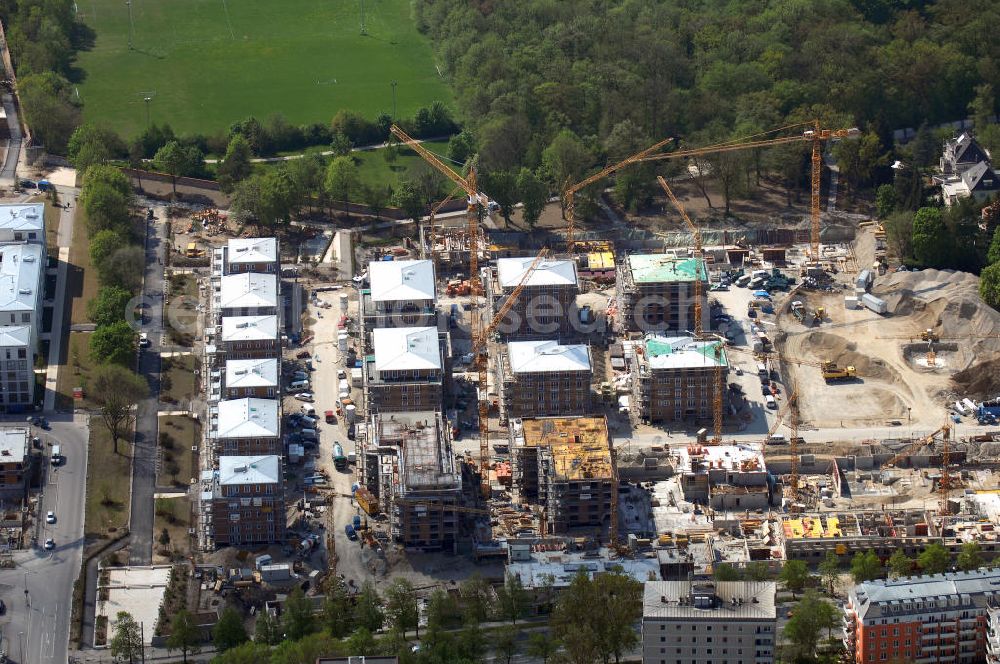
x=845 y=353
x=981 y=380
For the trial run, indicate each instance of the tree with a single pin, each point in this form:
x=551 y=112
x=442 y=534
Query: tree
x=247 y=201
x=245 y=653
x=104 y=243
x=342 y=180
x=858 y=159
x=899 y=233
x=534 y=195
x=931 y=240
x=809 y=618
x=989 y=285
x=407 y=198
x=865 y=566
x=899 y=564
x=113 y=344
x=229 y=632
x=279 y=195
x=110 y=305
x=376 y=197
x=970 y=557
x=795 y=575
x=983 y=107
x=177 y=160
x=126 y=644
x=236 y=165
x=757 y=570
x=297 y=615
x=565 y=160
x=340 y=145
x=401 y=606
x=184 y=634
x=541 y=646
x=461 y=147
x=368 y=610
x=337 y=611
x=935 y=559
x=589 y=635
x=885 y=200
x=49 y=108
x=267 y=630
x=475 y=597
x=360 y=642
x=117 y=391
x=91 y=145
x=505 y=643
x=502 y=186
x=512 y=599
x=124 y=268
x=106 y=197
x=726 y=572
x=829 y=570
x=993 y=256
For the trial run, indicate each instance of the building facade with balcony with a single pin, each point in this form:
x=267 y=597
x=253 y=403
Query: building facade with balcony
x=244 y=501
x=246 y=337
x=922 y=619
x=726 y=622
x=251 y=378
x=22 y=268
x=673 y=378
x=405 y=372
x=539 y=378
x=546 y=307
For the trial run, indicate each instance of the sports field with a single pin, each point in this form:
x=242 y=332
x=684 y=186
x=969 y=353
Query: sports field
x=208 y=63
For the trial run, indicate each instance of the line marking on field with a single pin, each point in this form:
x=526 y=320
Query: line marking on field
x=232 y=35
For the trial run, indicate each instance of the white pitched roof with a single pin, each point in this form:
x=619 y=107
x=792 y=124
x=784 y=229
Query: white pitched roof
x=15 y=336
x=249 y=289
x=538 y=356
x=247 y=418
x=20 y=268
x=253 y=250
x=401 y=280
x=29 y=217
x=510 y=271
x=264 y=469
x=252 y=373
x=249 y=328
x=406 y=348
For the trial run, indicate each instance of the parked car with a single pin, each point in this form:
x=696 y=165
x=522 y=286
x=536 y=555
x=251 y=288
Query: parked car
x=351 y=534
x=351 y=432
x=302 y=355
x=143 y=340
x=50 y=544
x=304 y=396
x=50 y=517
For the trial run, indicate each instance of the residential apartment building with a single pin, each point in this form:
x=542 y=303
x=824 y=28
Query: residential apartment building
x=960 y=154
x=400 y=294
x=405 y=372
x=725 y=622
x=936 y=618
x=21 y=292
x=540 y=378
x=15 y=463
x=564 y=464
x=546 y=307
x=258 y=254
x=655 y=293
x=244 y=501
x=674 y=378
x=247 y=294
x=409 y=463
x=251 y=378
x=245 y=427
x=22 y=223
x=246 y=337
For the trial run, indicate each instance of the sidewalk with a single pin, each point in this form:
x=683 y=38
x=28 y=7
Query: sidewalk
x=60 y=315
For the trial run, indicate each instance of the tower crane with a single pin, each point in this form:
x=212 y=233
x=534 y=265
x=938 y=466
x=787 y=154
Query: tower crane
x=569 y=191
x=430 y=221
x=698 y=330
x=816 y=135
x=944 y=484
x=481 y=362
x=790 y=410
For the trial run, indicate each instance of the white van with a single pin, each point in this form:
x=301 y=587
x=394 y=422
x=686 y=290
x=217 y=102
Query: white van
x=57 y=457
x=299 y=385
x=770 y=402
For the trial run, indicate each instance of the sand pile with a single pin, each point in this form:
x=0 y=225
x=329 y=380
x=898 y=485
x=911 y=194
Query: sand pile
x=980 y=381
x=845 y=353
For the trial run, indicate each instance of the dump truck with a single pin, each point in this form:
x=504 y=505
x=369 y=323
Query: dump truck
x=832 y=373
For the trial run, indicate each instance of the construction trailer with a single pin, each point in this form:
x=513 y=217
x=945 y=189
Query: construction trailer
x=417 y=477
x=673 y=378
x=656 y=293
x=547 y=304
x=564 y=465
x=539 y=378
x=405 y=371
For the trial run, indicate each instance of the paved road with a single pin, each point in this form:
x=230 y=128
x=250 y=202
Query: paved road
x=144 y=451
x=36 y=625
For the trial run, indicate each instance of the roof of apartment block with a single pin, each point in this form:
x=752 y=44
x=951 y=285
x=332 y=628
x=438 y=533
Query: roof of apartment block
x=247 y=418
x=741 y=457
x=406 y=348
x=578 y=445
x=664 y=268
x=15 y=336
x=29 y=217
x=249 y=328
x=235 y=470
x=252 y=250
x=13 y=444
x=20 y=268
x=248 y=290
x=252 y=373
x=923 y=594
x=547 y=356
x=426 y=458
x=683 y=352
x=401 y=280
x=555 y=272
x=731 y=600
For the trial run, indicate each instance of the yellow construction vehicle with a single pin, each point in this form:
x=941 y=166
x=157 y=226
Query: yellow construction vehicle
x=930 y=335
x=832 y=373
x=193 y=251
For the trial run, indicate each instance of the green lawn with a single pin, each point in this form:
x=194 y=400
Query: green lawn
x=179 y=382
x=108 y=483
x=208 y=63
x=178 y=464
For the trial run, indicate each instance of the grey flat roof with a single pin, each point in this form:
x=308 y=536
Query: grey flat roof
x=663 y=599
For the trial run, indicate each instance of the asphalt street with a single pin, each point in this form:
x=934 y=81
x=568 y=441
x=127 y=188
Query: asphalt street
x=37 y=591
x=144 y=450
